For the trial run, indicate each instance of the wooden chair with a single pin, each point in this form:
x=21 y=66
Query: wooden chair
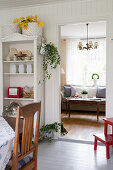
x=106 y=139
x=28 y=112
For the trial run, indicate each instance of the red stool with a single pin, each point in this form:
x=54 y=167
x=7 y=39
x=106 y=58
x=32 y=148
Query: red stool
x=106 y=139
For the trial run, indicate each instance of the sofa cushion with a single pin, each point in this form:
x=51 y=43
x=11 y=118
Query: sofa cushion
x=92 y=91
x=67 y=91
x=79 y=90
x=73 y=90
x=76 y=90
x=21 y=163
x=101 y=92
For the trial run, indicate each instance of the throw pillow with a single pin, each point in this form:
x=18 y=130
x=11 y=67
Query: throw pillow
x=73 y=91
x=76 y=90
x=92 y=91
x=101 y=92
x=67 y=91
x=79 y=90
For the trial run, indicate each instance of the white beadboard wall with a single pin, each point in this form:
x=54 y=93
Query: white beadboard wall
x=61 y=13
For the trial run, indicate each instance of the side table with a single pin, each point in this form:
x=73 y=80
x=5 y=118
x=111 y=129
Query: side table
x=70 y=100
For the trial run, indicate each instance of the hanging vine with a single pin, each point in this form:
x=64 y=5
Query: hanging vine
x=51 y=58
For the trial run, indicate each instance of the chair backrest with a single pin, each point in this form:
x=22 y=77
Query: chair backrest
x=27 y=112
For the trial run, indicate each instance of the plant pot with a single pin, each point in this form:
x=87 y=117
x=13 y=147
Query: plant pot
x=33 y=29
x=84 y=96
x=9 y=29
x=95 y=82
x=49 y=135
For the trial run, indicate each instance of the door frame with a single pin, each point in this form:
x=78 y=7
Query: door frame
x=58 y=45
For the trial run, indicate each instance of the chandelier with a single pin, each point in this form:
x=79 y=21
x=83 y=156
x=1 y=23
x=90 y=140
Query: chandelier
x=89 y=44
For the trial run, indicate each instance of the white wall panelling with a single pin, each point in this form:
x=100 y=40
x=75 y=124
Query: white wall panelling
x=65 y=13
x=1 y=78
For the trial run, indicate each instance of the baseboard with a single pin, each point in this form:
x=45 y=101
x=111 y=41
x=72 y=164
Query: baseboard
x=78 y=141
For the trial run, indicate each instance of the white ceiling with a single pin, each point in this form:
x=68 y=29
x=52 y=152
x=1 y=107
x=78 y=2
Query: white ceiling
x=18 y=3
x=79 y=31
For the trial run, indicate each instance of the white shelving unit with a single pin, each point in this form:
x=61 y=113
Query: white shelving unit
x=21 y=42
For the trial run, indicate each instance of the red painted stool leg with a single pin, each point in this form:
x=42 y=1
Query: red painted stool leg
x=107 y=152
x=105 y=128
x=95 y=144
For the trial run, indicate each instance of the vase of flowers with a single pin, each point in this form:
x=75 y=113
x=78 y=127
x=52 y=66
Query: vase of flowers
x=95 y=78
x=30 y=25
x=84 y=94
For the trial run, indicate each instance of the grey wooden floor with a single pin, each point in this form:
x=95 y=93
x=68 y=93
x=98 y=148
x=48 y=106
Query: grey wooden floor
x=60 y=155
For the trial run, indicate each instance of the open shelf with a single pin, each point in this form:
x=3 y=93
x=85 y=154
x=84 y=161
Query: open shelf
x=21 y=117
x=19 y=61
x=26 y=99
x=18 y=73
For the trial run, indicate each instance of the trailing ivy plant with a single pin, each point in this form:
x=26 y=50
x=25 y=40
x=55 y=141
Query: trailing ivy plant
x=51 y=58
x=46 y=132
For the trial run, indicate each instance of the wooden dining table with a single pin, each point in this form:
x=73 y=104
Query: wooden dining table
x=12 y=122
x=7 y=129
x=6 y=142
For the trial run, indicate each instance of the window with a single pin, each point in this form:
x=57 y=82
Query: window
x=81 y=64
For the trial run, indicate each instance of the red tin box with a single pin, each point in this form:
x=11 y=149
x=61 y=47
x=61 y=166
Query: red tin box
x=15 y=92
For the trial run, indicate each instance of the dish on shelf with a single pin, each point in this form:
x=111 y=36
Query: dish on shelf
x=13 y=107
x=6 y=111
x=20 y=56
x=11 y=110
x=32 y=92
x=12 y=52
x=26 y=92
x=8 y=58
x=28 y=54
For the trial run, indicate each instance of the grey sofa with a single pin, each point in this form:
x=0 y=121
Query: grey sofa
x=93 y=92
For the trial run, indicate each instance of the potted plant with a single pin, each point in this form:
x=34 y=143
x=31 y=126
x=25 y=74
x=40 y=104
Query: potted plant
x=95 y=77
x=51 y=58
x=84 y=94
x=47 y=132
x=30 y=25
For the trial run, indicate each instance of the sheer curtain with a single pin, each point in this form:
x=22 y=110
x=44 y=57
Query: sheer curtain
x=81 y=64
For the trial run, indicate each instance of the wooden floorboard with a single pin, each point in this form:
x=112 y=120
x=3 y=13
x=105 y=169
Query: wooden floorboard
x=60 y=155
x=82 y=125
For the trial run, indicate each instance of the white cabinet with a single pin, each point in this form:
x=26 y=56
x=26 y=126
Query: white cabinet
x=14 y=78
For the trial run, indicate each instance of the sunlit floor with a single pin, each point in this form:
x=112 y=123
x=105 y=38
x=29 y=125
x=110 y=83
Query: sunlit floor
x=60 y=155
x=82 y=125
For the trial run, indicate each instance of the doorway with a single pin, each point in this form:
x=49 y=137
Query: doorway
x=83 y=70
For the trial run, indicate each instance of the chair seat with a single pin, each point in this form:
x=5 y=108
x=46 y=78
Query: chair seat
x=21 y=163
x=108 y=139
